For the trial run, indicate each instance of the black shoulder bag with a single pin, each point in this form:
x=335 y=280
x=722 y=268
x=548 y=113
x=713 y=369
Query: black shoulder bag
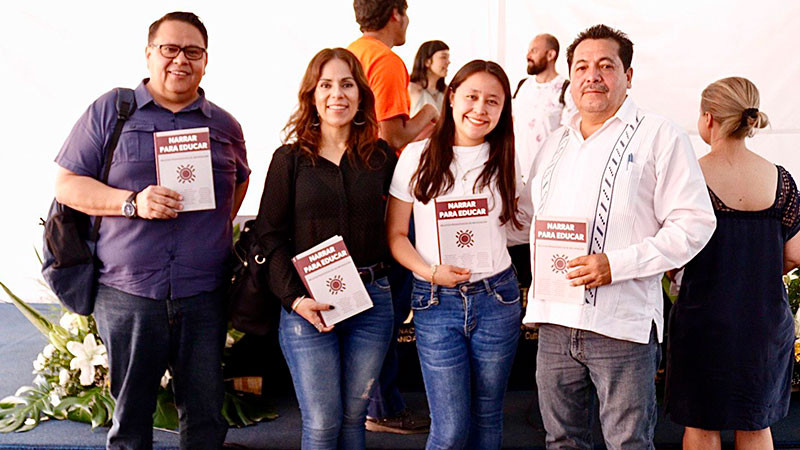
x=69 y=263
x=252 y=307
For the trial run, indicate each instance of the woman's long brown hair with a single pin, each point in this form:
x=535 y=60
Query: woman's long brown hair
x=434 y=176
x=303 y=128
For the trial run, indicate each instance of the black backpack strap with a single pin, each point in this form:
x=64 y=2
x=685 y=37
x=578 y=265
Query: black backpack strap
x=126 y=105
x=516 y=91
x=563 y=92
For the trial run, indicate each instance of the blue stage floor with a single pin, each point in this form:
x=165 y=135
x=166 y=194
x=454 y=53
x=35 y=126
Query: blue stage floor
x=20 y=343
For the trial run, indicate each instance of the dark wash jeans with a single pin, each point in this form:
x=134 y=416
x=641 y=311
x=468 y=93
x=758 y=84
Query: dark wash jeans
x=386 y=400
x=466 y=339
x=333 y=372
x=143 y=337
x=572 y=365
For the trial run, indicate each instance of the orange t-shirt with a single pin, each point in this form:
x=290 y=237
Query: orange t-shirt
x=387 y=76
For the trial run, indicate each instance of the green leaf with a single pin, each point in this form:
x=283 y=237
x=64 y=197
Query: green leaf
x=12 y=422
x=66 y=404
x=99 y=413
x=665 y=284
x=97 y=408
x=166 y=414
x=91 y=406
x=108 y=401
x=243 y=410
x=230 y=411
x=34 y=317
x=240 y=411
x=58 y=342
x=26 y=405
x=77 y=408
x=83 y=323
x=793 y=288
x=235 y=334
x=79 y=414
x=236 y=232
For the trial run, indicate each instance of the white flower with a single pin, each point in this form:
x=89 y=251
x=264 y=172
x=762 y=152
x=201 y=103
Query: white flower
x=797 y=323
x=39 y=362
x=54 y=398
x=63 y=377
x=165 y=379
x=48 y=351
x=87 y=355
x=70 y=322
x=229 y=341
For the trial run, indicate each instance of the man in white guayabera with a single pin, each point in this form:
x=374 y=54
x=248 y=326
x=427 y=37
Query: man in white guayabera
x=633 y=177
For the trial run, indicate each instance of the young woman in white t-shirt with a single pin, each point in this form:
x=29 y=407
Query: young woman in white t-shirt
x=467 y=319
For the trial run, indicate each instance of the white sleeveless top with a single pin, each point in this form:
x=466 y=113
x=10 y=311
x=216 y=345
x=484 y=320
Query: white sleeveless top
x=427 y=97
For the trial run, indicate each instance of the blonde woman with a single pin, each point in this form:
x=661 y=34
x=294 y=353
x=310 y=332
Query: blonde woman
x=731 y=332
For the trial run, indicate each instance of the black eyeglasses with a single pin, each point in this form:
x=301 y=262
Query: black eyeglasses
x=191 y=52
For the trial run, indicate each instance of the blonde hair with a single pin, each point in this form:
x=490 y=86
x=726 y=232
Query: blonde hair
x=733 y=103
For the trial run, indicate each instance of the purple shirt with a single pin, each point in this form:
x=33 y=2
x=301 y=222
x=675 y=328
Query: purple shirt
x=159 y=258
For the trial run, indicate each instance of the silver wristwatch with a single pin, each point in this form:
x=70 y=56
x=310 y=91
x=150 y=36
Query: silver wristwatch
x=129 y=206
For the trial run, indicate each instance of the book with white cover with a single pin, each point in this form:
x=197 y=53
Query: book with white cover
x=183 y=164
x=557 y=241
x=462 y=225
x=331 y=277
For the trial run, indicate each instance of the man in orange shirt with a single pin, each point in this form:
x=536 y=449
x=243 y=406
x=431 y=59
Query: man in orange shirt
x=383 y=24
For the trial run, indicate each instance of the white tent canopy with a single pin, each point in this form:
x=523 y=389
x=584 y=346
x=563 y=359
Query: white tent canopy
x=60 y=56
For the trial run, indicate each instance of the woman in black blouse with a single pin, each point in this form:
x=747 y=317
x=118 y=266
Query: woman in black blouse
x=330 y=178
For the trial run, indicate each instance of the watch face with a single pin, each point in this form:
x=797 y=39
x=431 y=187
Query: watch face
x=128 y=210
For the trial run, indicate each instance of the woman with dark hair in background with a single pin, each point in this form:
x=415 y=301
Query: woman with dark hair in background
x=427 y=76
x=330 y=178
x=467 y=319
x=731 y=332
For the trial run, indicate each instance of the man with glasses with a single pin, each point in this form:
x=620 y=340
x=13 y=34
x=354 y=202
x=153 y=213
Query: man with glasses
x=160 y=299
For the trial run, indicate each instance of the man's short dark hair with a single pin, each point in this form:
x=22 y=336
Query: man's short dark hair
x=180 y=16
x=604 y=32
x=373 y=15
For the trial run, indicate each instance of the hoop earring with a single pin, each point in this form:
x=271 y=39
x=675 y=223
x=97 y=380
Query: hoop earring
x=362 y=122
x=316 y=118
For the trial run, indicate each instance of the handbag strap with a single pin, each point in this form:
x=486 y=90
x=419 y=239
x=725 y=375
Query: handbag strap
x=126 y=105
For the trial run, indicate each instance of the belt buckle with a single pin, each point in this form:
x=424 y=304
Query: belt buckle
x=367 y=275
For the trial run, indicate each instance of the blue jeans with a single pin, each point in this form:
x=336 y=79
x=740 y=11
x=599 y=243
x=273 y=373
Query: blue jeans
x=466 y=339
x=143 y=337
x=333 y=372
x=386 y=399
x=572 y=365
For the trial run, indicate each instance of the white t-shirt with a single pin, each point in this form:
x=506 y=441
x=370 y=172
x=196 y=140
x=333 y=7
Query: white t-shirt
x=466 y=167
x=537 y=113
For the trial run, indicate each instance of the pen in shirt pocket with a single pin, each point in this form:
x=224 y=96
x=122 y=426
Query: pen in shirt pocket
x=630 y=160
